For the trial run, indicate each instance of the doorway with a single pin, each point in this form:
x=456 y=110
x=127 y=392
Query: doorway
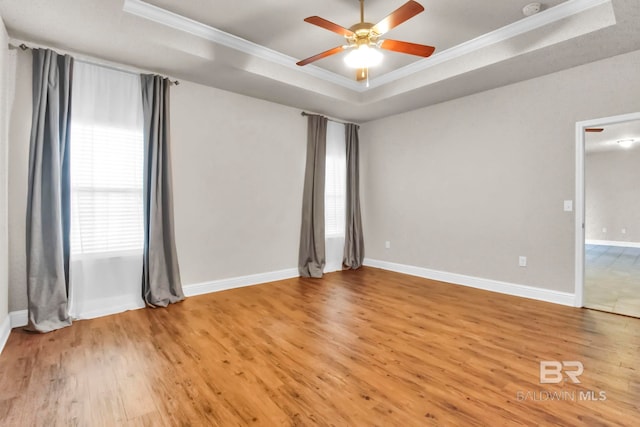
x=608 y=214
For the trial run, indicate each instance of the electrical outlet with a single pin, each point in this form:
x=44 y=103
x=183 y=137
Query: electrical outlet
x=568 y=205
x=522 y=261
x=624 y=231
x=387 y=245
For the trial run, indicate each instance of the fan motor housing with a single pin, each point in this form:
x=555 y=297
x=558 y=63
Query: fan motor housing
x=362 y=29
x=364 y=33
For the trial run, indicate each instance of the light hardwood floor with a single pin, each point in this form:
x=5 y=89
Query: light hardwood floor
x=363 y=348
x=612 y=279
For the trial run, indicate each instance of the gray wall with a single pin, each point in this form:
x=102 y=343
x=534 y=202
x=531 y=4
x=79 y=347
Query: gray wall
x=612 y=195
x=465 y=186
x=468 y=185
x=238 y=167
x=4 y=119
x=19 y=131
x=238 y=175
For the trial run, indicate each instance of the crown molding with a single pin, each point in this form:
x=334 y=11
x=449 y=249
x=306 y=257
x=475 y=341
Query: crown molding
x=546 y=17
x=198 y=29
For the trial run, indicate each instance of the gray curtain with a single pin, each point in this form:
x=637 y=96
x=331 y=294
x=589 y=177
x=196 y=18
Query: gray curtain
x=311 y=258
x=353 y=240
x=161 y=283
x=48 y=203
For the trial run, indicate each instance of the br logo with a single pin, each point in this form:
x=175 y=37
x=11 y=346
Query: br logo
x=554 y=372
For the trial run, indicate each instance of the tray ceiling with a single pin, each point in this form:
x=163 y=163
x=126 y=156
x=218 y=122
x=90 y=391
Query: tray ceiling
x=279 y=25
x=250 y=47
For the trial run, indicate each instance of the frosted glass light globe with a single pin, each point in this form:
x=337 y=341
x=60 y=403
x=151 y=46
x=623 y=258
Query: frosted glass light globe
x=363 y=56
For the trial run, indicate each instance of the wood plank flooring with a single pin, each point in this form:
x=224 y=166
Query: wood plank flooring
x=357 y=348
x=612 y=279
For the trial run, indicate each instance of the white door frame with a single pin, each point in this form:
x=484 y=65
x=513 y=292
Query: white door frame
x=580 y=199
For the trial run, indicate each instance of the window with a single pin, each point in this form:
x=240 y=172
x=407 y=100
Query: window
x=107 y=156
x=107 y=162
x=335 y=196
x=106 y=189
x=335 y=190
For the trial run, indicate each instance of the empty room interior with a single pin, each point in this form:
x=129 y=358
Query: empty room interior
x=340 y=212
x=612 y=243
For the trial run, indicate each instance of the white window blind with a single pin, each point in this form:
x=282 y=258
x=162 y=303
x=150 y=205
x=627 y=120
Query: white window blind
x=335 y=181
x=106 y=189
x=106 y=161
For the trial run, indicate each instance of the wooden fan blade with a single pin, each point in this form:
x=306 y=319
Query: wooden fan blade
x=594 y=129
x=397 y=17
x=362 y=74
x=320 y=56
x=406 y=47
x=328 y=25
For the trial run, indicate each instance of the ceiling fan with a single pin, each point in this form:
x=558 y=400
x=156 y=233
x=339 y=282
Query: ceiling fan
x=363 y=39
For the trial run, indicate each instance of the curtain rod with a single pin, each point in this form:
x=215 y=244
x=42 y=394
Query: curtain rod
x=24 y=47
x=304 y=113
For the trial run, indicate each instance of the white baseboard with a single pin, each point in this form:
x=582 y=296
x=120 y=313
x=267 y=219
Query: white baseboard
x=200 y=289
x=5 y=330
x=19 y=318
x=613 y=243
x=239 y=282
x=524 y=291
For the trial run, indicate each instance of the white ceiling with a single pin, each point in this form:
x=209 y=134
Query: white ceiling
x=279 y=25
x=251 y=46
x=607 y=140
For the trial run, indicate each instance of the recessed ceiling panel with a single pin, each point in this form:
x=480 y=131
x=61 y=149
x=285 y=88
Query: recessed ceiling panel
x=279 y=24
x=251 y=46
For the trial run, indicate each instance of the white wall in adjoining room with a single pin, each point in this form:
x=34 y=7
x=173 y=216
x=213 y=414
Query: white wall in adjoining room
x=612 y=195
x=238 y=170
x=469 y=185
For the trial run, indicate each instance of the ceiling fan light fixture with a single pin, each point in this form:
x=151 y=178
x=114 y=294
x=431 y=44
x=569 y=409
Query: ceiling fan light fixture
x=363 y=39
x=626 y=143
x=363 y=56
